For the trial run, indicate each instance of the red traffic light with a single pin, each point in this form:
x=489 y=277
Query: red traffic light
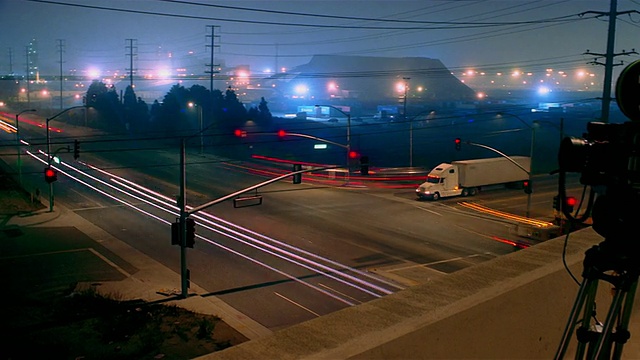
x=240 y=133
x=571 y=201
x=353 y=154
x=50 y=175
x=458 y=142
x=282 y=133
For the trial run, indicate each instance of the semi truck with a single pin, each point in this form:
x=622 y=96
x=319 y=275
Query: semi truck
x=468 y=177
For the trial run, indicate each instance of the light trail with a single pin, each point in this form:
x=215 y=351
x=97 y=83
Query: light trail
x=292 y=257
x=505 y=215
x=164 y=203
x=169 y=223
x=272 y=240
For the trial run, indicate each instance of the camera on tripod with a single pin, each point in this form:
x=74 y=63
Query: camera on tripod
x=608 y=155
x=608 y=160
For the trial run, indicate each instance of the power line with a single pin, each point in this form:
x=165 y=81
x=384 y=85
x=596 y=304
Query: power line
x=440 y=25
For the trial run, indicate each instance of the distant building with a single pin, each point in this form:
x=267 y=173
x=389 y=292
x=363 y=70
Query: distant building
x=370 y=80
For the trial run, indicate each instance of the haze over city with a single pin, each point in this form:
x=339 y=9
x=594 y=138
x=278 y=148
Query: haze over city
x=168 y=37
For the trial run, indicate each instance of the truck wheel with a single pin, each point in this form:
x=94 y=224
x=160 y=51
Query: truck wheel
x=465 y=192
x=436 y=196
x=473 y=192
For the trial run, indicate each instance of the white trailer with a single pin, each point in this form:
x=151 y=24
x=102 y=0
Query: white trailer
x=467 y=177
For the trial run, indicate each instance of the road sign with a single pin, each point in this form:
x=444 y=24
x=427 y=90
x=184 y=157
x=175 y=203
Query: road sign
x=628 y=91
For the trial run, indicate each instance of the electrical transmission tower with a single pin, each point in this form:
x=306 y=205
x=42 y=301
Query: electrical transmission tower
x=212 y=65
x=609 y=55
x=61 y=51
x=132 y=49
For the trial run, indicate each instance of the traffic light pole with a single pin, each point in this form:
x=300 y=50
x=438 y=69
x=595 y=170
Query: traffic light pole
x=49 y=156
x=515 y=163
x=182 y=203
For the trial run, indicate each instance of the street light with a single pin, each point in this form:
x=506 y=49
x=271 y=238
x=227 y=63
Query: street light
x=560 y=128
x=192 y=105
x=533 y=140
x=348 y=136
x=404 y=105
x=18 y=142
x=431 y=112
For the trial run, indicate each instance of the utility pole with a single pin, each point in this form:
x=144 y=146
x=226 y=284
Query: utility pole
x=608 y=64
x=27 y=78
x=212 y=64
x=131 y=54
x=276 y=71
x=10 y=61
x=61 y=51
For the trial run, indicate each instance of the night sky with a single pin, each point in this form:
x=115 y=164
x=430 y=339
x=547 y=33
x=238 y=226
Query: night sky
x=492 y=35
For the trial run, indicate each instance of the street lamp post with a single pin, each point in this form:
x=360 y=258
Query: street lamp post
x=533 y=140
x=18 y=142
x=411 y=135
x=404 y=102
x=192 y=104
x=560 y=127
x=348 y=147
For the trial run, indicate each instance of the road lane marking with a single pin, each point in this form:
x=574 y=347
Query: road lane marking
x=88 y=199
x=338 y=292
x=296 y=304
x=428 y=210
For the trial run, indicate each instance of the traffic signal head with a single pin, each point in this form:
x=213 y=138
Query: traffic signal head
x=282 y=133
x=76 y=149
x=458 y=142
x=528 y=189
x=569 y=203
x=50 y=175
x=364 y=165
x=191 y=232
x=556 y=203
x=297 y=178
x=240 y=133
x=353 y=154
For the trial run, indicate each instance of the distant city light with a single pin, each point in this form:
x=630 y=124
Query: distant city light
x=543 y=90
x=93 y=73
x=164 y=73
x=301 y=89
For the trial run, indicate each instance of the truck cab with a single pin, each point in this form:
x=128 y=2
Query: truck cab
x=442 y=181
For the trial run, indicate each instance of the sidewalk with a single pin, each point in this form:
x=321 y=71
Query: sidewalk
x=46 y=251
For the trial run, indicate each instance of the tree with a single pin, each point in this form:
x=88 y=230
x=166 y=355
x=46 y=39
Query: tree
x=234 y=113
x=107 y=104
x=264 y=113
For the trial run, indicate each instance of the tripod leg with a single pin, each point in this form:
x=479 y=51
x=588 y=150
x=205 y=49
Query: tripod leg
x=587 y=288
x=584 y=334
x=603 y=345
x=622 y=330
x=623 y=294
